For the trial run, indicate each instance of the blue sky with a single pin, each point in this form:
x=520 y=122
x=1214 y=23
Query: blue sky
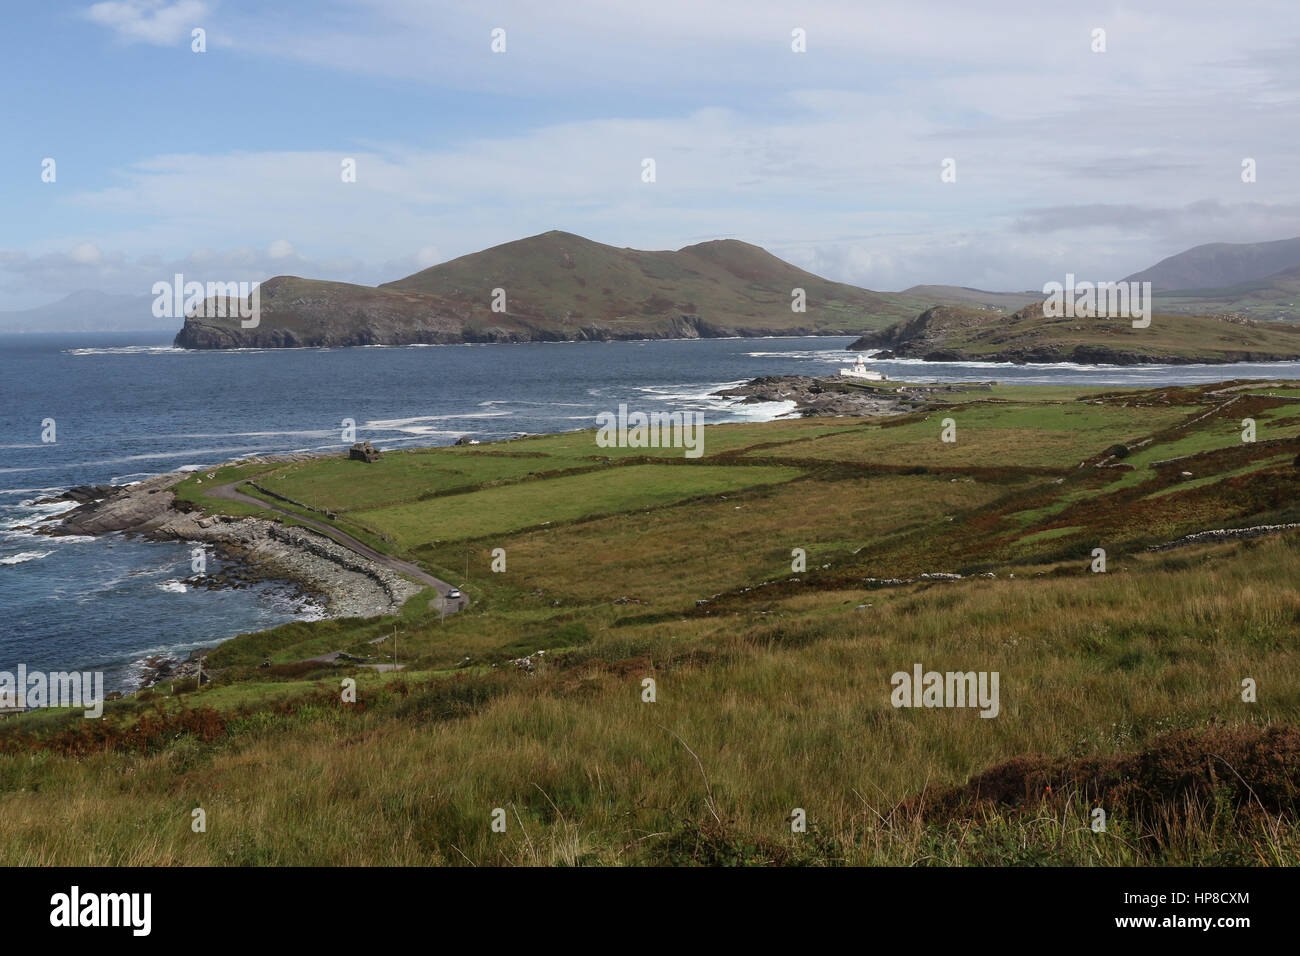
x=226 y=164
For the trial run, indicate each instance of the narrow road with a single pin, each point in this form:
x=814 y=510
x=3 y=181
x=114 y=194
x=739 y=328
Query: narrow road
x=230 y=493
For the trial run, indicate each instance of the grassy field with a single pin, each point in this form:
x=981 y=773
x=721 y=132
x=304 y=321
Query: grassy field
x=769 y=589
x=494 y=511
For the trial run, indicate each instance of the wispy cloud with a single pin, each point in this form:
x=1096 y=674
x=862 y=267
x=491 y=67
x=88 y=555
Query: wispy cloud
x=149 y=21
x=1067 y=160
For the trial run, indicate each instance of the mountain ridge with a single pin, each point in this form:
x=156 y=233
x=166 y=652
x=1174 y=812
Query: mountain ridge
x=1217 y=265
x=558 y=286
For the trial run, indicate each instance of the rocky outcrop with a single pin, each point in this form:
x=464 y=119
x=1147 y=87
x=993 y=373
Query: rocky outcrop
x=142 y=507
x=351 y=585
x=833 y=396
x=815 y=397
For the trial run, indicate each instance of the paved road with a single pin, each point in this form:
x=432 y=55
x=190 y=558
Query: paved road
x=230 y=493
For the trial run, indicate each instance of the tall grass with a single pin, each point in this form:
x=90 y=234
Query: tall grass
x=756 y=715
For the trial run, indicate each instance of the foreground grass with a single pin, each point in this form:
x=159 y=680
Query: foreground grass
x=754 y=717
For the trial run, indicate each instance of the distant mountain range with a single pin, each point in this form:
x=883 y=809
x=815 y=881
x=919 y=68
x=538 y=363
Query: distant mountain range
x=1220 y=264
x=88 y=311
x=1258 y=280
x=559 y=287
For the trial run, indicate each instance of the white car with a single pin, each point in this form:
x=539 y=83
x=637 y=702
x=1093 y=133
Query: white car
x=454 y=594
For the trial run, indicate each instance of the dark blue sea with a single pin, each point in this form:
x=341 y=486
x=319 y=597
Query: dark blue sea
x=126 y=406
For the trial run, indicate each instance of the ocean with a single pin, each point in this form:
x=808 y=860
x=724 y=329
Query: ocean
x=126 y=405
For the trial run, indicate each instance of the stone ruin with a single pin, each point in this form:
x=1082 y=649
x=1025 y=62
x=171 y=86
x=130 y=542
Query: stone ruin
x=363 y=451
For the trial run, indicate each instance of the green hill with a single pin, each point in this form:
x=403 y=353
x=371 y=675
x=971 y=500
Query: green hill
x=559 y=287
x=947 y=334
x=966 y=296
x=1274 y=297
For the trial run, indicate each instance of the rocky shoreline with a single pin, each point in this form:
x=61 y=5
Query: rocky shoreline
x=347 y=584
x=832 y=396
x=208 y=334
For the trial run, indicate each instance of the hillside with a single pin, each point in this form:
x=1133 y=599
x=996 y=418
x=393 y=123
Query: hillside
x=949 y=334
x=561 y=287
x=1220 y=264
x=1120 y=685
x=962 y=295
x=1274 y=297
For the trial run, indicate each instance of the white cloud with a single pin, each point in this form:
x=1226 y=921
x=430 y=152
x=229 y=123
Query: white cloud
x=86 y=254
x=149 y=21
x=1067 y=160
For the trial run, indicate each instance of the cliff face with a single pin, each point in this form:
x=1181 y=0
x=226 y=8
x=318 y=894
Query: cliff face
x=299 y=313
x=558 y=287
x=930 y=329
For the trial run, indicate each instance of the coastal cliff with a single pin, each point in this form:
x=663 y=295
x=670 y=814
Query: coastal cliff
x=952 y=334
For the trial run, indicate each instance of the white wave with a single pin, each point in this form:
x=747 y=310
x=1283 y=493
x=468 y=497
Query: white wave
x=401 y=424
x=49 y=509
x=173 y=587
x=416 y=431
x=125 y=350
x=22 y=557
x=762 y=411
x=224 y=455
x=696 y=392
x=545 y=404
x=53 y=490
x=308 y=432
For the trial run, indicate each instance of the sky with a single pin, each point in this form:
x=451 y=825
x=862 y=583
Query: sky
x=227 y=164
